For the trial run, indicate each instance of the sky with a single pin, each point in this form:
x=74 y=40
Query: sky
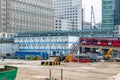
x=86 y=4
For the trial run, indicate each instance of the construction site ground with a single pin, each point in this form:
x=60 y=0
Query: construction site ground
x=33 y=70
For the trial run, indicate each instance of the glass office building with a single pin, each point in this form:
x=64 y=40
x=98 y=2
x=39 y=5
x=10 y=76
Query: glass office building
x=117 y=12
x=110 y=13
x=26 y=15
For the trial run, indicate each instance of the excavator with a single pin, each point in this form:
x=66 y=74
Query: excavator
x=73 y=51
x=68 y=58
x=62 y=57
x=108 y=55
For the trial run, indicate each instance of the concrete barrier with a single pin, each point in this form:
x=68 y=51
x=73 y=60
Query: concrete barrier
x=50 y=63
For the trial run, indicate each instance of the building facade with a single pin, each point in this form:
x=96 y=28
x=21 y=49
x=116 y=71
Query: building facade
x=7 y=46
x=62 y=24
x=69 y=9
x=110 y=14
x=86 y=25
x=53 y=45
x=117 y=31
x=26 y=15
x=98 y=26
x=117 y=12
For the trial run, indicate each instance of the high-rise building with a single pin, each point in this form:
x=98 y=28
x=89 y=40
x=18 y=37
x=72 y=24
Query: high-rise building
x=26 y=15
x=110 y=14
x=70 y=10
x=117 y=12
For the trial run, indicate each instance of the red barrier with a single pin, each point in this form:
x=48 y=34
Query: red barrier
x=81 y=60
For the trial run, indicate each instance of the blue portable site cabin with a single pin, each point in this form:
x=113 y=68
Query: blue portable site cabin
x=22 y=55
x=54 y=44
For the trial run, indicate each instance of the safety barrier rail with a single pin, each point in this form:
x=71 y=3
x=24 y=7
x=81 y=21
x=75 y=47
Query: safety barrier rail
x=50 y=63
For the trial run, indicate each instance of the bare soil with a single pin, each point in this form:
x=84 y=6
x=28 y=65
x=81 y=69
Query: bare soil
x=33 y=70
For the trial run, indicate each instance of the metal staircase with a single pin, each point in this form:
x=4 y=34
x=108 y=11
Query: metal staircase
x=74 y=49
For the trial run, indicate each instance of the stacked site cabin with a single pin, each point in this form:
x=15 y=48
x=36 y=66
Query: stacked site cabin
x=52 y=45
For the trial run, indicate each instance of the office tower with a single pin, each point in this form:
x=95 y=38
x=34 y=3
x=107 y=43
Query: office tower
x=70 y=10
x=110 y=14
x=26 y=15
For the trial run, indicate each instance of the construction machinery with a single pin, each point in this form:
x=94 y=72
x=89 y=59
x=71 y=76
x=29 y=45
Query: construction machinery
x=62 y=57
x=118 y=58
x=108 y=55
x=68 y=58
x=92 y=18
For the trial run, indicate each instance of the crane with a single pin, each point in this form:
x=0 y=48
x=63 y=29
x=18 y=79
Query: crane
x=92 y=18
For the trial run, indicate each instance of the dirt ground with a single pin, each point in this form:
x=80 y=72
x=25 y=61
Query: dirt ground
x=33 y=70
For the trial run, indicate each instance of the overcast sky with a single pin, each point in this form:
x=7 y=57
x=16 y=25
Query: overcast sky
x=97 y=9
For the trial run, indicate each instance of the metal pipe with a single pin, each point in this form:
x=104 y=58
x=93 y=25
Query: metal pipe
x=61 y=74
x=50 y=74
